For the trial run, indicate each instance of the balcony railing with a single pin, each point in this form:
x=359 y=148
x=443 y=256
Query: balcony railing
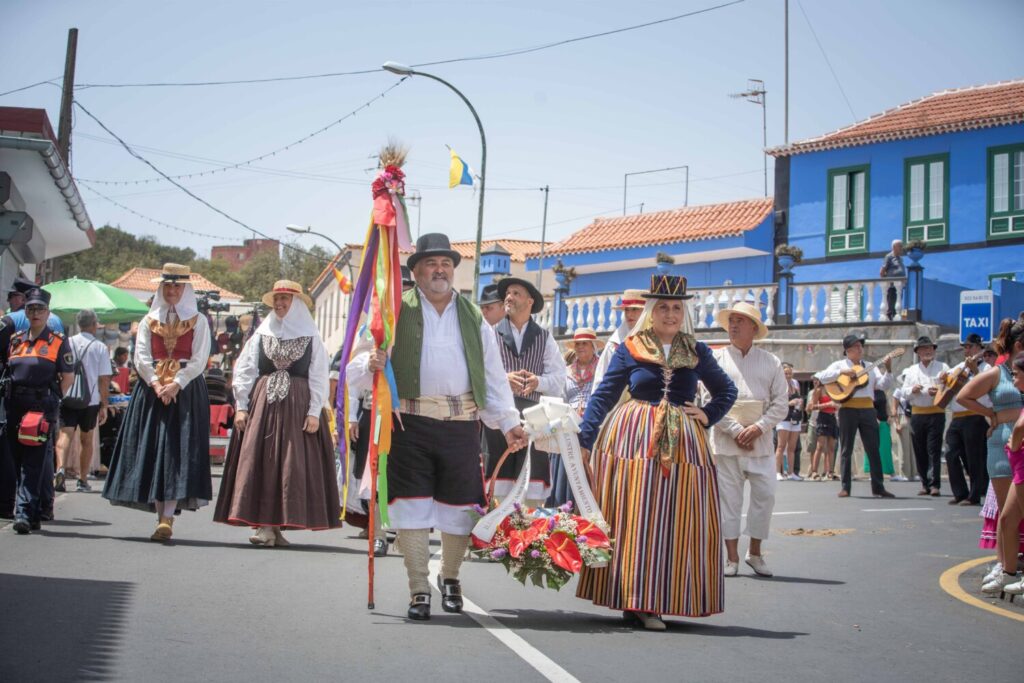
x=813 y=303
x=850 y=302
x=595 y=310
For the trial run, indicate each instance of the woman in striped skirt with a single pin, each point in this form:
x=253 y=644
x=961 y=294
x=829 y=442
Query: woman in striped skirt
x=654 y=475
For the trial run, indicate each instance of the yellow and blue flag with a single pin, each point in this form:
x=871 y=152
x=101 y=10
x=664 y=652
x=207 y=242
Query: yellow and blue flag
x=459 y=173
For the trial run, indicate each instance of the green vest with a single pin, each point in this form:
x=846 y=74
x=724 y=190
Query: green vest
x=408 y=349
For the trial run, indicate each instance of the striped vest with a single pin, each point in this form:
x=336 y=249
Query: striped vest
x=530 y=357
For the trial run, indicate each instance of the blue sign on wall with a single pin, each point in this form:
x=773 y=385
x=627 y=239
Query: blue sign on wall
x=977 y=314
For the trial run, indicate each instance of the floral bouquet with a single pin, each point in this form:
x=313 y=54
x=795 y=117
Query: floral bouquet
x=546 y=545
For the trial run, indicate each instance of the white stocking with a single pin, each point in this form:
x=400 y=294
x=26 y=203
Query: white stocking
x=416 y=554
x=453 y=551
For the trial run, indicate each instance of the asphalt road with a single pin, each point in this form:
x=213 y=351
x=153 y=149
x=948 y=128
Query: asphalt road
x=91 y=598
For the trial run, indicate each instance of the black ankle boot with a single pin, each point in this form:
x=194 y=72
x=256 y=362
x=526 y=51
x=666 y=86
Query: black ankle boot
x=419 y=608
x=451 y=594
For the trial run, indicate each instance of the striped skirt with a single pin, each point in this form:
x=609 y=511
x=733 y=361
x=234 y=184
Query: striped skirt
x=664 y=521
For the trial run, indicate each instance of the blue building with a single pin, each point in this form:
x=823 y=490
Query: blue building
x=720 y=248
x=946 y=170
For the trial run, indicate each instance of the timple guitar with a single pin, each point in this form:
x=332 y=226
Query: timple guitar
x=845 y=387
x=955 y=381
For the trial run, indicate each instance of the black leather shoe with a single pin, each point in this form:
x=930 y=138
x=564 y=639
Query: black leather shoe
x=21 y=527
x=46 y=515
x=451 y=594
x=380 y=547
x=419 y=608
x=35 y=526
x=883 y=494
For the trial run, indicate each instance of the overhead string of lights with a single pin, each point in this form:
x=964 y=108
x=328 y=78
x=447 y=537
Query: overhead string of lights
x=248 y=162
x=189 y=192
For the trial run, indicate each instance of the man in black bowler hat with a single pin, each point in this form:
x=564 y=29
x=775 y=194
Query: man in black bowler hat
x=927 y=421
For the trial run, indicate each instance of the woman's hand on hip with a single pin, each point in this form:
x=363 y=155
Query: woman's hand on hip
x=312 y=424
x=697 y=413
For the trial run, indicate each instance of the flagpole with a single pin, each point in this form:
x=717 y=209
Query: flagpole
x=403 y=70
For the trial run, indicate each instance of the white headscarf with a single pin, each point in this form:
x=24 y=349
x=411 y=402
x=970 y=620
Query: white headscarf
x=297 y=322
x=187 y=308
x=644 y=319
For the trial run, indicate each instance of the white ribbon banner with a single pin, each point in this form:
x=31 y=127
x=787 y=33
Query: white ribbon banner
x=552 y=425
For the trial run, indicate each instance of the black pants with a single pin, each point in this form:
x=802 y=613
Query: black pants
x=966 y=452
x=890 y=301
x=865 y=422
x=8 y=480
x=926 y=433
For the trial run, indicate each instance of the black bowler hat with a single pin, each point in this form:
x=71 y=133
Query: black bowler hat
x=924 y=341
x=433 y=244
x=667 y=287
x=407 y=280
x=851 y=339
x=538 y=300
x=973 y=338
x=489 y=295
x=37 y=296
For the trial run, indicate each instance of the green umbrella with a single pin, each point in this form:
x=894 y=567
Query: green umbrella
x=112 y=305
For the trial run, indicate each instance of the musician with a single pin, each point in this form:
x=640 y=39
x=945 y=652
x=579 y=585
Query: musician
x=965 y=438
x=857 y=414
x=927 y=421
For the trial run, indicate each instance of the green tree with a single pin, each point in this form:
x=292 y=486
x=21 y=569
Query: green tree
x=114 y=253
x=304 y=266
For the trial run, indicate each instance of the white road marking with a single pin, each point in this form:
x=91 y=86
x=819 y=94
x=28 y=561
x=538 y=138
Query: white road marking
x=895 y=509
x=544 y=665
x=792 y=512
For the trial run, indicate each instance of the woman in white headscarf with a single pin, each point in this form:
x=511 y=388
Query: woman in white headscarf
x=279 y=471
x=161 y=460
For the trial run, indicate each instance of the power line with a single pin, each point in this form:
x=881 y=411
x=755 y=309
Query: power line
x=145 y=217
x=28 y=87
x=495 y=55
x=241 y=164
x=186 y=190
x=823 y=54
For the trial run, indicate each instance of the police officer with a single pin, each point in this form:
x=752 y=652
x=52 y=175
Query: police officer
x=40 y=370
x=8 y=479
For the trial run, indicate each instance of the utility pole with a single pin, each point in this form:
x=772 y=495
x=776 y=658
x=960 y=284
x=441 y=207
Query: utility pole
x=543 y=237
x=785 y=116
x=416 y=198
x=67 y=97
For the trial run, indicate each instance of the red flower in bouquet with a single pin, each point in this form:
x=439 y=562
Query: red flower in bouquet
x=596 y=538
x=519 y=541
x=563 y=551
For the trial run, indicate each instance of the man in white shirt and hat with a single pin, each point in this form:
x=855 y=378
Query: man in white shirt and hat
x=857 y=414
x=927 y=421
x=632 y=306
x=449 y=376
x=742 y=440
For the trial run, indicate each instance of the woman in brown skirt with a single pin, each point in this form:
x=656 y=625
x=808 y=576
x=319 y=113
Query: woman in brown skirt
x=279 y=472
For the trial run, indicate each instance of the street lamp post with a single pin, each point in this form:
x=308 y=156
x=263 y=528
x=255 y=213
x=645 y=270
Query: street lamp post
x=346 y=254
x=403 y=70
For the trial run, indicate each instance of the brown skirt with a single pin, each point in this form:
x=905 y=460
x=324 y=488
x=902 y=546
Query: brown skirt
x=275 y=474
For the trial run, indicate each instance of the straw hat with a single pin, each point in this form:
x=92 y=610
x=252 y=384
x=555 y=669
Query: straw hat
x=174 y=272
x=581 y=334
x=747 y=311
x=631 y=298
x=286 y=287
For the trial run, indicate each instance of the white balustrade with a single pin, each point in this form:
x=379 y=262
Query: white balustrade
x=853 y=302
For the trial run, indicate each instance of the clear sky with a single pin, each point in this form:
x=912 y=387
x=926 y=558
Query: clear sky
x=575 y=117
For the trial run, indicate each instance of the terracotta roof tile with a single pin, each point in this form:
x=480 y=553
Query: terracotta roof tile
x=686 y=224
x=139 y=278
x=981 y=106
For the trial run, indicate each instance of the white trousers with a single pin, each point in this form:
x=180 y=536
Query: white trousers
x=733 y=470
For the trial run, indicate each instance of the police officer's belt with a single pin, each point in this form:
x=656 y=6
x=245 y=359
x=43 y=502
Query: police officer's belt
x=31 y=393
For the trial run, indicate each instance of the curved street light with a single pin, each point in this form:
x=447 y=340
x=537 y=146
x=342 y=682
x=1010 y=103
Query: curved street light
x=403 y=70
x=346 y=254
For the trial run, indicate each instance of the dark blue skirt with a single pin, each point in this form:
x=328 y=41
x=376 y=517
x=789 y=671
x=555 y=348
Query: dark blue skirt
x=162 y=452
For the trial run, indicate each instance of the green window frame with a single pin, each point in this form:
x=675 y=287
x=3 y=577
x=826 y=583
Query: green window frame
x=1000 y=276
x=847 y=210
x=1005 y=192
x=926 y=199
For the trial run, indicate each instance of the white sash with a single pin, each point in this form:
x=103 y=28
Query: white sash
x=552 y=425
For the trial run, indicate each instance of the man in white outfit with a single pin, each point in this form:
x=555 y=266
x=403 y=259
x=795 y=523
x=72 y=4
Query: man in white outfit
x=742 y=440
